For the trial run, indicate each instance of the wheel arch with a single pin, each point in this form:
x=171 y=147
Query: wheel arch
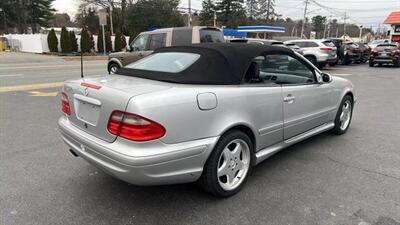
x=113 y=61
x=245 y=128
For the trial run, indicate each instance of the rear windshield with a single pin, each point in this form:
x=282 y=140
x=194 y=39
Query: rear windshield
x=386 y=47
x=211 y=36
x=169 y=62
x=329 y=43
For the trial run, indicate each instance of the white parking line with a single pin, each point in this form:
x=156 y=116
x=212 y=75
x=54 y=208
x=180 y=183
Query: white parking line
x=11 y=75
x=342 y=74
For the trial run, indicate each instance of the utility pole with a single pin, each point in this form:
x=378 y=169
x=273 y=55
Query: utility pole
x=304 y=19
x=111 y=20
x=215 y=18
x=326 y=25
x=190 y=13
x=329 y=26
x=361 y=28
x=344 y=25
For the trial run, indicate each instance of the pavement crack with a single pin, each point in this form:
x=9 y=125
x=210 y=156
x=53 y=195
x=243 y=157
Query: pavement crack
x=363 y=169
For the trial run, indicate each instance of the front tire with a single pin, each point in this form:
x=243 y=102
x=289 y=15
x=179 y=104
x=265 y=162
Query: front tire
x=397 y=63
x=229 y=165
x=343 y=116
x=113 y=68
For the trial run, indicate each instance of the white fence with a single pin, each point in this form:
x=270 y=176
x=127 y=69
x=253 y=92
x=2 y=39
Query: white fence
x=37 y=43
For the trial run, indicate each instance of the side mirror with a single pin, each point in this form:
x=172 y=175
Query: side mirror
x=326 y=78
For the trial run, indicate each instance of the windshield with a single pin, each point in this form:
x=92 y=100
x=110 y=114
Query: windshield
x=170 y=62
x=329 y=43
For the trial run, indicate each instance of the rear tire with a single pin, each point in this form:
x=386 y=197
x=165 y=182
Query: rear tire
x=343 y=116
x=397 y=63
x=371 y=63
x=229 y=165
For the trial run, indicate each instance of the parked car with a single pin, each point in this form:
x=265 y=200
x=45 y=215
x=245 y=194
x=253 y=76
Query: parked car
x=256 y=40
x=146 y=42
x=385 y=54
x=206 y=113
x=319 y=52
x=373 y=44
x=365 y=51
x=349 y=53
x=295 y=47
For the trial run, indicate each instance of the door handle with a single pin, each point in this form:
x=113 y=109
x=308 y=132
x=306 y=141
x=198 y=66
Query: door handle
x=289 y=99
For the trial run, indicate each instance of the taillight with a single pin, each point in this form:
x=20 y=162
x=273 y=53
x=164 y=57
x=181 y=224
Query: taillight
x=325 y=49
x=396 y=52
x=65 y=107
x=373 y=53
x=134 y=127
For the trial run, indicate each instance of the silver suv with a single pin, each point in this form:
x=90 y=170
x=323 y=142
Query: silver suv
x=146 y=42
x=320 y=52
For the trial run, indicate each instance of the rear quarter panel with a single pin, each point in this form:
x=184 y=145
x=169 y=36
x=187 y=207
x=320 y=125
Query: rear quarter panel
x=177 y=110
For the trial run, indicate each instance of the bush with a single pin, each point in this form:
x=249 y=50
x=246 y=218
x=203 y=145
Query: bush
x=65 y=41
x=108 y=42
x=117 y=42
x=100 y=41
x=52 y=41
x=86 y=44
x=123 y=41
x=74 y=42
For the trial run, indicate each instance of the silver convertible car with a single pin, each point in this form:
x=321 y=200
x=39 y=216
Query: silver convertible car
x=206 y=113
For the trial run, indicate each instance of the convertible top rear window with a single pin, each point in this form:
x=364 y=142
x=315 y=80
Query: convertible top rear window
x=170 y=62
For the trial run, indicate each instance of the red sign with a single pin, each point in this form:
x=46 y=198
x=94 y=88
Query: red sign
x=396 y=38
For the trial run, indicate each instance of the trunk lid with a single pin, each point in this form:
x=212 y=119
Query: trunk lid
x=93 y=99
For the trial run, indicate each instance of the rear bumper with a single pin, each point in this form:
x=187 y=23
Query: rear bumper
x=325 y=58
x=385 y=59
x=150 y=163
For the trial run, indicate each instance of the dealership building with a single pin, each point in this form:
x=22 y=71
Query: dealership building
x=394 y=21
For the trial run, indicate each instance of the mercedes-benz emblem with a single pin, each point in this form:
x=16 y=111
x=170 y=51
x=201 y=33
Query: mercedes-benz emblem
x=86 y=91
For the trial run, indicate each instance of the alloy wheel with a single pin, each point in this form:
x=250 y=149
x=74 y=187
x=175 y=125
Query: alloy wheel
x=233 y=164
x=345 y=116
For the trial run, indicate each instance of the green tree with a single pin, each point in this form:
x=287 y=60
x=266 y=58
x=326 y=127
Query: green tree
x=117 y=42
x=154 y=13
x=87 y=17
x=100 y=48
x=86 y=44
x=65 y=41
x=61 y=20
x=108 y=42
x=74 y=42
x=231 y=12
x=207 y=13
x=52 y=41
x=22 y=14
x=318 y=24
x=123 y=41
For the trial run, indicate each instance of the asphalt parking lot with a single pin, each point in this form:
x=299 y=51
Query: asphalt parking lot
x=349 y=179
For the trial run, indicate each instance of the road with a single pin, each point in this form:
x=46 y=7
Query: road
x=326 y=180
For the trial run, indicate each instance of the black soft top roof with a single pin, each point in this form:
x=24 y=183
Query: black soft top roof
x=219 y=63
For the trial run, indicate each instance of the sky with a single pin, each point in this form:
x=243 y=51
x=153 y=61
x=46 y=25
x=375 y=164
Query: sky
x=362 y=12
